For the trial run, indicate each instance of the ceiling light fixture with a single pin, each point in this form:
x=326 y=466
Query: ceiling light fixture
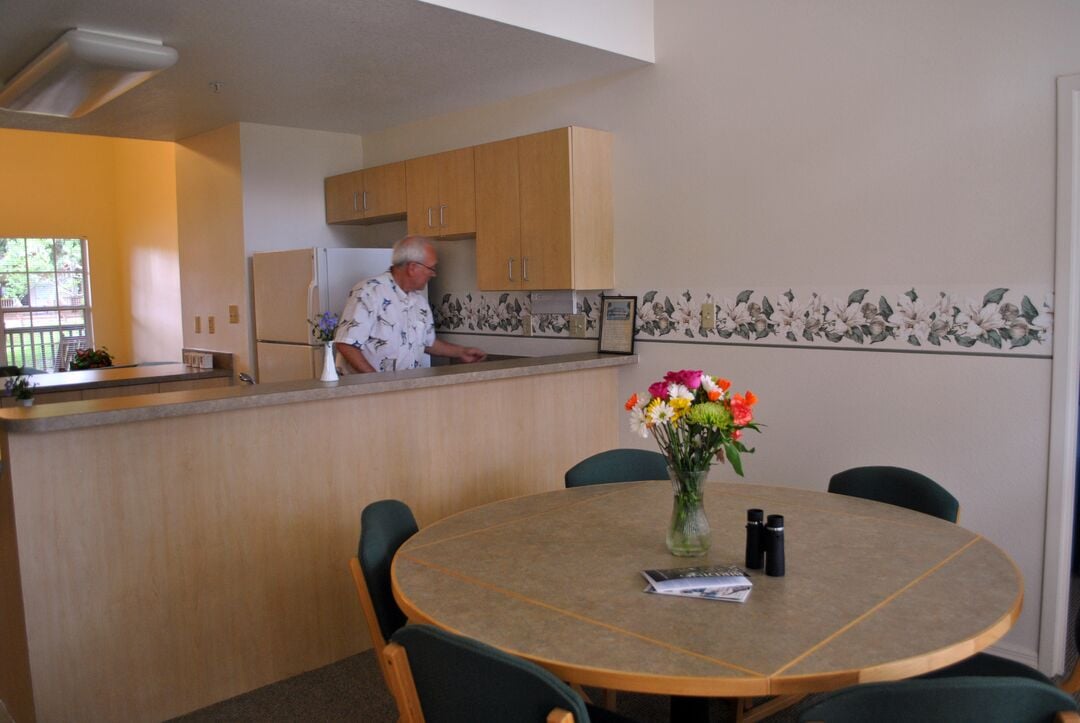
x=82 y=71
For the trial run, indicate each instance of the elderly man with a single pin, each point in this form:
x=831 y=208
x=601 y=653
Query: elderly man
x=393 y=327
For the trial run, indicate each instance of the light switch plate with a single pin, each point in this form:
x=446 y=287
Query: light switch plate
x=526 y=325
x=577 y=326
x=708 y=316
x=234 y=314
x=210 y=324
x=198 y=325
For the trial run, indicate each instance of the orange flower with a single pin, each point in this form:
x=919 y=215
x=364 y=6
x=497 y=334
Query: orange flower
x=631 y=402
x=751 y=398
x=740 y=411
x=714 y=395
x=723 y=383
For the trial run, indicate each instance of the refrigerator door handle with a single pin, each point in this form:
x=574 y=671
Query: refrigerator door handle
x=312 y=291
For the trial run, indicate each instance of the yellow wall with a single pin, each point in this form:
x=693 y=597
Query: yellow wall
x=120 y=194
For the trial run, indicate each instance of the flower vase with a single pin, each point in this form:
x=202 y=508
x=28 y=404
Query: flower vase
x=29 y=402
x=329 y=371
x=688 y=534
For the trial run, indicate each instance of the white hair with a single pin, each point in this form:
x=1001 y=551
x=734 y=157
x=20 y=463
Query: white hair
x=410 y=249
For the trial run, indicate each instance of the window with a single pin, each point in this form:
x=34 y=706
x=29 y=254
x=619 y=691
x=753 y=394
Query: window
x=44 y=296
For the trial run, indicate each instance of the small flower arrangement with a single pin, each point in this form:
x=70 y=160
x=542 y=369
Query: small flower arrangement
x=90 y=359
x=694 y=419
x=324 y=327
x=19 y=386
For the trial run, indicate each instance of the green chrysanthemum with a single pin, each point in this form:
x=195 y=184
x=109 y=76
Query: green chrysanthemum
x=709 y=414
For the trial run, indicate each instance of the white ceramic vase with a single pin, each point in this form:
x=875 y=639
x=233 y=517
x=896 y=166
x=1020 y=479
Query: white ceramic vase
x=329 y=371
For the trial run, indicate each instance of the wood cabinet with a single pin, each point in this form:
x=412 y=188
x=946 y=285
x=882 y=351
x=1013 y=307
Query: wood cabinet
x=440 y=194
x=544 y=211
x=373 y=194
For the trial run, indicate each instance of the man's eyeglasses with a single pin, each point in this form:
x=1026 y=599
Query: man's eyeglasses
x=429 y=268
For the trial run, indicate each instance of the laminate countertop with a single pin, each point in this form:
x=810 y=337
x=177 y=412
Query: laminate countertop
x=122 y=377
x=146 y=407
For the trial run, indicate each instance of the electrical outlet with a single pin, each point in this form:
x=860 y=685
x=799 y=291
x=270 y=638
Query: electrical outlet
x=577 y=326
x=234 y=314
x=526 y=325
x=708 y=316
x=198 y=325
x=210 y=324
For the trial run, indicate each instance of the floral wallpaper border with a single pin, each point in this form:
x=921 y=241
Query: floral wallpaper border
x=998 y=320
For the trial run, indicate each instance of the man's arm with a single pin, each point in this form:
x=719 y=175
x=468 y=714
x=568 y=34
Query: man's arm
x=464 y=353
x=355 y=358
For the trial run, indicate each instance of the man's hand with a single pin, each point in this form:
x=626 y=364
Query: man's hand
x=471 y=354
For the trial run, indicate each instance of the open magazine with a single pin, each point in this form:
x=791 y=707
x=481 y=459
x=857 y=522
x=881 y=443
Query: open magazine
x=712 y=582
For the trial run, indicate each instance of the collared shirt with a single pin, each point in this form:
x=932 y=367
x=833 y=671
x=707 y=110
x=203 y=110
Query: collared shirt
x=393 y=327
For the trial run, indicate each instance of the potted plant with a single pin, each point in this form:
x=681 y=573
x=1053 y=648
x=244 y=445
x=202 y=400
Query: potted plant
x=90 y=359
x=22 y=388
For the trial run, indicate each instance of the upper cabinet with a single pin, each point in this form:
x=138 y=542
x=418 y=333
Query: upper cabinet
x=441 y=194
x=373 y=194
x=544 y=211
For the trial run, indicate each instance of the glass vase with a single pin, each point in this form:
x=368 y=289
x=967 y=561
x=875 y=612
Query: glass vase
x=329 y=371
x=688 y=534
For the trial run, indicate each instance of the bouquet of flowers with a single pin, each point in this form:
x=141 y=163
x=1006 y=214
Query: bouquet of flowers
x=325 y=326
x=19 y=387
x=694 y=419
x=90 y=359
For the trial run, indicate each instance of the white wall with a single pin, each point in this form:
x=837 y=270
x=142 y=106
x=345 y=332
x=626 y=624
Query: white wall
x=832 y=146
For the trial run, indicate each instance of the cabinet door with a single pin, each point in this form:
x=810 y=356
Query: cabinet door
x=343 y=197
x=498 y=219
x=456 y=211
x=544 y=160
x=384 y=191
x=422 y=195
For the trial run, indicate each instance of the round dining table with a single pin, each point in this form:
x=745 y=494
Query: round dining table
x=872 y=592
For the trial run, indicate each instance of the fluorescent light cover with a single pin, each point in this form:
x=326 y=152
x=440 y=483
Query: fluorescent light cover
x=82 y=71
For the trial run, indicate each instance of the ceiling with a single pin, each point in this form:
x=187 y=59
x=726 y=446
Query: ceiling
x=352 y=66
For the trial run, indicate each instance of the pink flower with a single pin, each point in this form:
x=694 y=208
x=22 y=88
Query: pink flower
x=659 y=389
x=691 y=379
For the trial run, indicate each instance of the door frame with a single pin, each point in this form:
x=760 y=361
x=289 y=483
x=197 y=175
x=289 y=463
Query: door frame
x=1064 y=385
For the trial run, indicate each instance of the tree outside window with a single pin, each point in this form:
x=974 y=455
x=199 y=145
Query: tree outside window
x=44 y=295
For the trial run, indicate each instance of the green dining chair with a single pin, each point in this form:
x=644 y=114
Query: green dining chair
x=384 y=526
x=448 y=678
x=945 y=700
x=897 y=486
x=617 y=465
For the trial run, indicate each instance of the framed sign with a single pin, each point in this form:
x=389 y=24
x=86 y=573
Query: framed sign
x=617 y=317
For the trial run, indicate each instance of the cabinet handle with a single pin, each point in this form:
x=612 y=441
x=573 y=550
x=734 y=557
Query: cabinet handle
x=525 y=268
x=354 y=206
x=429 y=216
x=365 y=200
x=510 y=268
x=442 y=215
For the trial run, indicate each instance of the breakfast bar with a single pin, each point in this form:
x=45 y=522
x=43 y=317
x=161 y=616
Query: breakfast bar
x=159 y=553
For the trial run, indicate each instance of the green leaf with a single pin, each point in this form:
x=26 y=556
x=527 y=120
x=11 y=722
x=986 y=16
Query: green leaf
x=743 y=331
x=732 y=454
x=808 y=335
x=688 y=333
x=911 y=295
x=744 y=296
x=1022 y=341
x=762 y=334
x=686 y=295
x=994 y=296
x=965 y=341
x=1028 y=310
x=649 y=296
x=791 y=336
x=586 y=306
x=857 y=335
x=834 y=337
x=766 y=307
x=790 y=296
x=934 y=339
x=913 y=340
x=723 y=333
x=884 y=308
x=446 y=298
x=993 y=339
x=668 y=306
x=503 y=298
x=856 y=297
x=879 y=337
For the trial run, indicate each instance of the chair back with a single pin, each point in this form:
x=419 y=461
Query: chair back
x=448 y=678
x=617 y=465
x=66 y=351
x=897 y=486
x=943 y=700
x=384 y=526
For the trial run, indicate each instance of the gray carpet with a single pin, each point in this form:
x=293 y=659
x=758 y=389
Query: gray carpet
x=353 y=690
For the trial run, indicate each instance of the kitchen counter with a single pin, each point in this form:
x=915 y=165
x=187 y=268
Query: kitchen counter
x=75 y=415
x=122 y=376
x=195 y=544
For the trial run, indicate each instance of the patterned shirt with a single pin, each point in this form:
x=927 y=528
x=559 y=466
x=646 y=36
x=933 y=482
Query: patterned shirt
x=392 y=327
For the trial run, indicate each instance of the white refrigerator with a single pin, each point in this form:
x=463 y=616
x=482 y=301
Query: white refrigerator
x=291 y=287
